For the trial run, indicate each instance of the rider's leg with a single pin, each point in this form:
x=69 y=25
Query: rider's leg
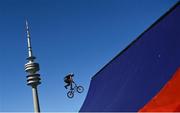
x=68 y=84
x=71 y=85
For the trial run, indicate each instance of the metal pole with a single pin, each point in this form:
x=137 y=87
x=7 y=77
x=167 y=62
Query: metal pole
x=35 y=100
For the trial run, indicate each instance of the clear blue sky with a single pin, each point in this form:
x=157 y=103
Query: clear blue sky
x=78 y=36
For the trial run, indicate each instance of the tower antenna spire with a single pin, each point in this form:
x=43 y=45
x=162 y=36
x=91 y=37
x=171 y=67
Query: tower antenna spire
x=30 y=53
x=32 y=68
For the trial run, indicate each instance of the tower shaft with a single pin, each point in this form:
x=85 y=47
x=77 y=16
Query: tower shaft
x=35 y=100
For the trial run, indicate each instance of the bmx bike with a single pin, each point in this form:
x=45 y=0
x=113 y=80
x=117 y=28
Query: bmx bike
x=76 y=88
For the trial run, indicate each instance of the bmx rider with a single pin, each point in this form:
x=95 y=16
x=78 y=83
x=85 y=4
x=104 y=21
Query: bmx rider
x=68 y=80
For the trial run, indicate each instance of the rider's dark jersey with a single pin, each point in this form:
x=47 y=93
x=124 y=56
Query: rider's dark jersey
x=68 y=78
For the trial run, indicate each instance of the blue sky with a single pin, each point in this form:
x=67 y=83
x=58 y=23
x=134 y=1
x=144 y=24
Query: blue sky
x=78 y=36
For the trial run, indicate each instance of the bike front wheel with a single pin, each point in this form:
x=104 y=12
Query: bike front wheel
x=70 y=94
x=80 y=89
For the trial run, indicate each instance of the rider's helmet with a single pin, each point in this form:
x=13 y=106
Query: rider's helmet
x=68 y=75
x=71 y=74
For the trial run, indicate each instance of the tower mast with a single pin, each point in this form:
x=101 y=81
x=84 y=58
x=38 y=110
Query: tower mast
x=32 y=68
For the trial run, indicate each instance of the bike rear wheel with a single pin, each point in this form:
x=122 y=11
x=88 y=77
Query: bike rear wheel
x=70 y=94
x=80 y=89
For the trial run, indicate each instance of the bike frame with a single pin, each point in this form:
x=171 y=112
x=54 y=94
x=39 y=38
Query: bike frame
x=71 y=85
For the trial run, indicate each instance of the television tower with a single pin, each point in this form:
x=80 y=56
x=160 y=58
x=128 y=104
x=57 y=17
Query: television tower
x=31 y=67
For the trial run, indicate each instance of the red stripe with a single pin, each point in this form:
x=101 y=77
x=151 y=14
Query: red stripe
x=168 y=99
